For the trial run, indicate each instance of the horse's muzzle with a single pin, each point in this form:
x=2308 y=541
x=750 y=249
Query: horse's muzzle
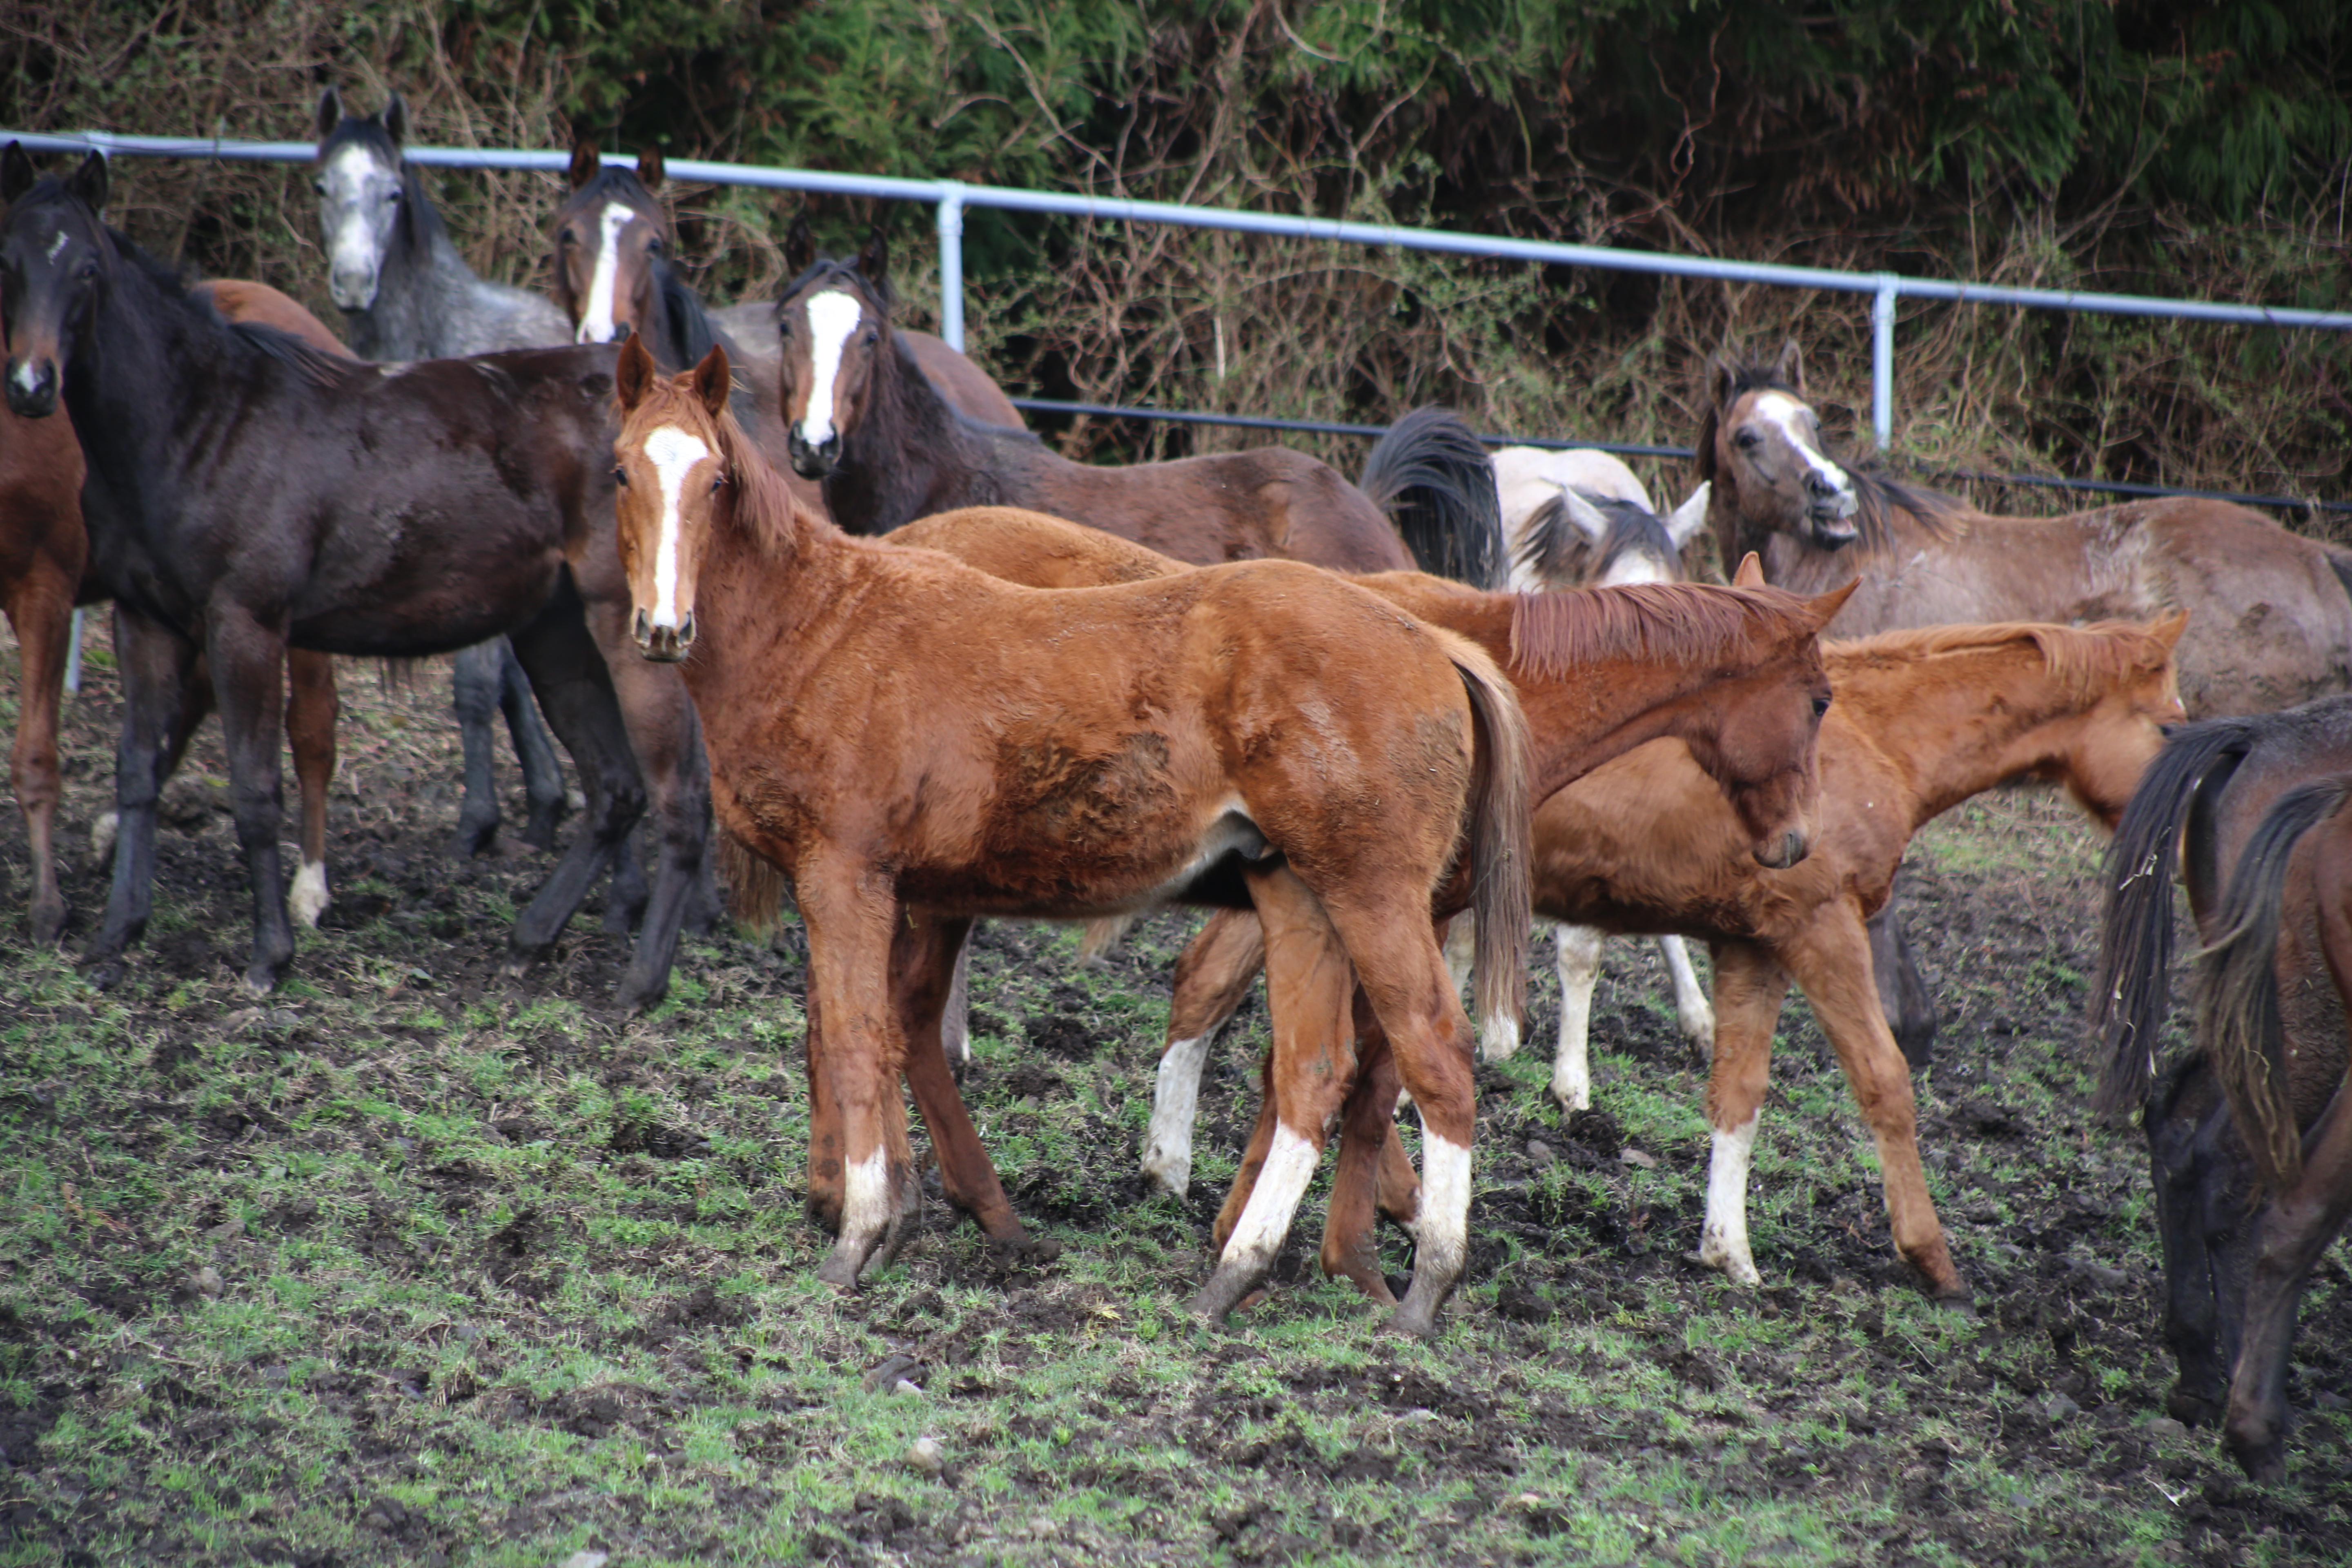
x=32 y=388
x=664 y=644
x=1789 y=850
x=352 y=290
x=813 y=459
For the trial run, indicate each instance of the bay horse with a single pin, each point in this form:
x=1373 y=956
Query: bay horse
x=2240 y=807
x=1734 y=672
x=248 y=492
x=864 y=420
x=904 y=736
x=1922 y=721
x=406 y=294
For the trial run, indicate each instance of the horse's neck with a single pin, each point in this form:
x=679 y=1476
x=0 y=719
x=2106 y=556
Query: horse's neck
x=910 y=456
x=421 y=292
x=148 y=362
x=1617 y=706
x=1954 y=725
x=767 y=618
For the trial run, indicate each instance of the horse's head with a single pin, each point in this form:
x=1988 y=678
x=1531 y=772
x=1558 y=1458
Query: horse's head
x=362 y=183
x=1761 y=446
x=1764 y=750
x=670 y=466
x=835 y=323
x=54 y=257
x=610 y=236
x=2121 y=732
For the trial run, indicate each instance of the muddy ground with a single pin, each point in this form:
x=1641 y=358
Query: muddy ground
x=415 y=1263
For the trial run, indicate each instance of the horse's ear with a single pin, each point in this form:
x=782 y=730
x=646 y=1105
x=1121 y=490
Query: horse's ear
x=1722 y=379
x=1827 y=606
x=586 y=162
x=330 y=111
x=1590 y=519
x=874 y=257
x=713 y=382
x=395 y=121
x=2167 y=630
x=632 y=373
x=1750 y=574
x=800 y=244
x=1790 y=368
x=88 y=182
x=1685 y=521
x=649 y=168
x=17 y=172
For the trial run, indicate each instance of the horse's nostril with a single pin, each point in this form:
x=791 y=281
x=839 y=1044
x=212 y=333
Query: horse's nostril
x=686 y=631
x=644 y=628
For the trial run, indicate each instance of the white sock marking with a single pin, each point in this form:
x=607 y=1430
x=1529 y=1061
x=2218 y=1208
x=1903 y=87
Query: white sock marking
x=1723 y=1244
x=1175 y=1097
x=309 y=897
x=1281 y=1182
x=1693 y=1011
x=596 y=323
x=867 y=1200
x=833 y=315
x=674 y=454
x=1576 y=954
x=1442 y=1238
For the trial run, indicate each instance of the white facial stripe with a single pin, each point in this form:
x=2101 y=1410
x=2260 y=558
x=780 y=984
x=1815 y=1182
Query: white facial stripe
x=597 y=324
x=833 y=315
x=1785 y=414
x=56 y=245
x=25 y=377
x=673 y=453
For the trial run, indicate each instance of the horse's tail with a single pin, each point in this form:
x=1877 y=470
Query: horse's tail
x=755 y=885
x=2237 y=985
x=1499 y=839
x=1432 y=478
x=2134 y=978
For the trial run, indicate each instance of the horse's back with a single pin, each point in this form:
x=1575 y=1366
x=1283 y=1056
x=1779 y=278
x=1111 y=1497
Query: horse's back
x=242 y=299
x=971 y=390
x=1527 y=477
x=2270 y=616
x=1268 y=502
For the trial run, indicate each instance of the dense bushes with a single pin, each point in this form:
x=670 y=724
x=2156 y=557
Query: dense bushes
x=2171 y=148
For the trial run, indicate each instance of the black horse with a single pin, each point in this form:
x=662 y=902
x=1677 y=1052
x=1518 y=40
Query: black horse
x=2204 y=804
x=246 y=492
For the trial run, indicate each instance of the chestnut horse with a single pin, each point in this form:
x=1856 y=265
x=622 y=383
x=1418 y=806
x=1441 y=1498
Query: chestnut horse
x=2270 y=611
x=246 y=491
x=1734 y=672
x=863 y=418
x=43 y=550
x=2241 y=806
x=904 y=736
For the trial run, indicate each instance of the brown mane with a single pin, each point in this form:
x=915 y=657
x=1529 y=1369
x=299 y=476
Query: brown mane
x=1553 y=632
x=2086 y=660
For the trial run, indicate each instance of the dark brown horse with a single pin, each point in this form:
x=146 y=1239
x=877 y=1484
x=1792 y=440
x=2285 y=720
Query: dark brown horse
x=2244 y=807
x=865 y=420
x=247 y=493
x=905 y=736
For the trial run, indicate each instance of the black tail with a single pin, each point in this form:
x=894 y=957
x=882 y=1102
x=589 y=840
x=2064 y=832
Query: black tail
x=2237 y=985
x=1433 y=478
x=2134 y=980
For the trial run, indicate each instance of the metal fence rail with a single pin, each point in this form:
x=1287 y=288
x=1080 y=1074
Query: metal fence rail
x=951 y=197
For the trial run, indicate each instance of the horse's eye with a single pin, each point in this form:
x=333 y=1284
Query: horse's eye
x=1746 y=441
x=563 y=240
x=873 y=336
x=88 y=270
x=319 y=186
x=392 y=196
x=718 y=483
x=1821 y=707
x=783 y=329
x=621 y=478
x=652 y=248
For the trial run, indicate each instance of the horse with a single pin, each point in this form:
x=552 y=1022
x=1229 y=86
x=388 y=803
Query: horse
x=248 y=492
x=406 y=294
x=864 y=421
x=43 y=550
x=2241 y=808
x=1735 y=673
x=904 y=736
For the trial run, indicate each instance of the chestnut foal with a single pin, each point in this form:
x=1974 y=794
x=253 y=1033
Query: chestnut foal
x=903 y=735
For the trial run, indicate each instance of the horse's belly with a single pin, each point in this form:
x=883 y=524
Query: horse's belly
x=1084 y=876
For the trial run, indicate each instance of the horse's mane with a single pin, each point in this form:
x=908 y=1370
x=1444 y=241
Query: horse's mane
x=763 y=504
x=1552 y=537
x=314 y=366
x=1552 y=633
x=689 y=319
x=2086 y=660
x=1878 y=494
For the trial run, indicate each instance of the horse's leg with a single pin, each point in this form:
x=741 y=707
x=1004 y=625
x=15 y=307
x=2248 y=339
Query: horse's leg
x=1307 y=986
x=1403 y=975
x=823 y=1200
x=247 y=656
x=1749 y=987
x=955 y=1016
x=1693 y=1015
x=312 y=707
x=41 y=608
x=542 y=770
x=568 y=672
x=1831 y=960
x=626 y=896
x=1212 y=976
x=474 y=682
x=851 y=915
x=1902 y=991
x=160 y=686
x=926 y=955
x=1576 y=952
x=2295 y=1228
x=1367 y=1136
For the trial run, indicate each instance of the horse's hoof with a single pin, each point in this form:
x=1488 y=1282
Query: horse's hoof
x=1224 y=1293
x=2192 y=1408
x=634 y=999
x=259 y=981
x=2264 y=1460
x=1416 y=1321
x=840 y=1268
x=48 y=923
x=102 y=973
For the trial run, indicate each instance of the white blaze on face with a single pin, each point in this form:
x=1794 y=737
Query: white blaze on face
x=597 y=324
x=833 y=315
x=27 y=379
x=673 y=453
x=1786 y=414
x=57 y=243
x=353 y=251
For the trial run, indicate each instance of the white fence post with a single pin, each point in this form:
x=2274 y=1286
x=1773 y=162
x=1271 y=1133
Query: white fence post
x=1882 y=358
x=951 y=263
